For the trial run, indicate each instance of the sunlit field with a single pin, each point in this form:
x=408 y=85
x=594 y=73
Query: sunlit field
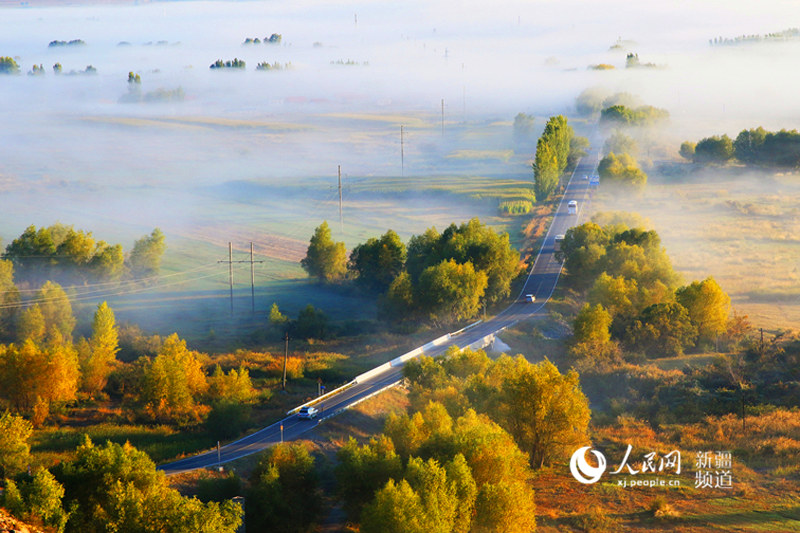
x=740 y=227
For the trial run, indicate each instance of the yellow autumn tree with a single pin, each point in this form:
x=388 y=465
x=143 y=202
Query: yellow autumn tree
x=173 y=385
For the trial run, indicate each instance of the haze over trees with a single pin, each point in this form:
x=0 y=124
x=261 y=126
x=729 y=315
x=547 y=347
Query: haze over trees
x=620 y=115
x=8 y=65
x=755 y=146
x=594 y=99
x=145 y=258
x=66 y=255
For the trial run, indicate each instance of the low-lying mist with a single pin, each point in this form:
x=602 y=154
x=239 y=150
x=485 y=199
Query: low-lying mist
x=77 y=148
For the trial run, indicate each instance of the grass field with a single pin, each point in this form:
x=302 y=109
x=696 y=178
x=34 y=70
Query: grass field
x=450 y=179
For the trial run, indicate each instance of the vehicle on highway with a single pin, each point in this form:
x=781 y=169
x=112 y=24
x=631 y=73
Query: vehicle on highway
x=307 y=413
x=586 y=177
x=572 y=207
x=558 y=242
x=530 y=298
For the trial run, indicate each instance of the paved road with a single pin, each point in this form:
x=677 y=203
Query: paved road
x=541 y=282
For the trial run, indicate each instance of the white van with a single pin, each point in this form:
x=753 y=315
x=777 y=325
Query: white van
x=572 y=207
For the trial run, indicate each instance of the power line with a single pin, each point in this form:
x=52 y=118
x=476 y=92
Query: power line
x=85 y=297
x=118 y=282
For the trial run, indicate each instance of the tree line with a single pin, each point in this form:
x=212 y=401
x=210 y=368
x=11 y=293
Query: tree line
x=442 y=277
x=47 y=367
x=63 y=254
x=755 y=146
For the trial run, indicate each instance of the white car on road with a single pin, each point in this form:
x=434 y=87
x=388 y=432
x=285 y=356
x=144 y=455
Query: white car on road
x=307 y=413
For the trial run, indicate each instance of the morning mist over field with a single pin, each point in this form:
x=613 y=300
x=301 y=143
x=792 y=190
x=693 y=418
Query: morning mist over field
x=77 y=149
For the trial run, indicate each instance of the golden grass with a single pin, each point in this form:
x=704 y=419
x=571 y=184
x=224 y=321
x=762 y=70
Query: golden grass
x=743 y=231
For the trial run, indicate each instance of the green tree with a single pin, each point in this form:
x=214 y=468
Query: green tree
x=325 y=259
x=284 y=494
x=117 y=488
x=32 y=252
x=749 y=144
x=145 y=257
x=708 y=307
x=57 y=312
x=423 y=251
x=717 y=150
x=546 y=167
x=15 y=432
x=61 y=253
x=230 y=396
x=662 y=329
x=32 y=326
x=311 y=323
x=378 y=261
x=398 y=303
x=616 y=294
x=625 y=115
x=108 y=262
x=487 y=250
x=583 y=251
x=396 y=508
x=9 y=299
x=622 y=169
x=37 y=500
x=276 y=318
x=102 y=351
x=466 y=492
x=364 y=469
x=687 y=150
x=173 y=384
x=8 y=65
x=592 y=324
x=451 y=291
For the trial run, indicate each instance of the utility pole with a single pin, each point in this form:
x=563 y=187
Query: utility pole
x=402 y=154
x=341 y=219
x=252 y=262
x=285 y=357
x=230 y=272
x=252 y=280
x=442 y=118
